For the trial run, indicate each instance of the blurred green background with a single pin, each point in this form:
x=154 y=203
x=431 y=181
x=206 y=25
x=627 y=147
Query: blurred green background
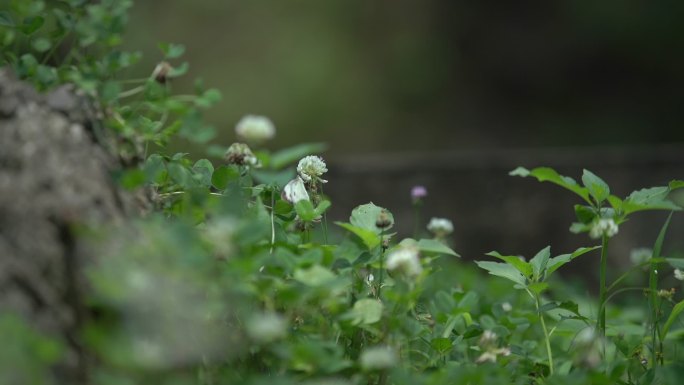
x=380 y=75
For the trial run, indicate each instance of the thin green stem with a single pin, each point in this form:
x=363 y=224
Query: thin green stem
x=325 y=221
x=653 y=304
x=547 y=339
x=601 y=322
x=382 y=261
x=272 y=220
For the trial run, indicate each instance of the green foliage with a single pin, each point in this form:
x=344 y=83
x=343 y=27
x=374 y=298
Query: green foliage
x=227 y=281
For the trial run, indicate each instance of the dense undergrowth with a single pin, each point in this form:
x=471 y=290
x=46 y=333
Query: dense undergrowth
x=238 y=276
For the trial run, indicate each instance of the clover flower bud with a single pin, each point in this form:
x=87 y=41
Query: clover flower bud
x=440 y=227
x=418 y=193
x=378 y=358
x=240 y=154
x=604 y=226
x=311 y=167
x=678 y=274
x=294 y=191
x=488 y=339
x=384 y=220
x=406 y=261
x=266 y=327
x=255 y=129
x=640 y=255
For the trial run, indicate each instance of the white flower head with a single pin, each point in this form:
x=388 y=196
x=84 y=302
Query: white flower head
x=640 y=255
x=440 y=226
x=255 y=129
x=311 y=168
x=295 y=191
x=604 y=226
x=378 y=358
x=266 y=327
x=241 y=155
x=678 y=274
x=506 y=306
x=405 y=260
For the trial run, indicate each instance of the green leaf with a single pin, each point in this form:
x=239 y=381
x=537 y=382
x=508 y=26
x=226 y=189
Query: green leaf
x=441 y=345
x=180 y=175
x=41 y=44
x=556 y=262
x=596 y=186
x=584 y=214
x=305 y=210
x=279 y=178
x=676 y=311
x=32 y=24
x=6 y=19
x=204 y=169
x=538 y=287
x=503 y=270
x=172 y=51
x=322 y=207
x=546 y=174
x=515 y=261
x=132 y=179
x=316 y=275
x=290 y=155
x=653 y=198
x=434 y=246
x=367 y=311
x=224 y=175
x=369 y=238
x=365 y=216
x=676 y=184
x=677 y=263
x=539 y=262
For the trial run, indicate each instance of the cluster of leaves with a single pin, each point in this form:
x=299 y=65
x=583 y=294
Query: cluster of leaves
x=52 y=43
x=226 y=282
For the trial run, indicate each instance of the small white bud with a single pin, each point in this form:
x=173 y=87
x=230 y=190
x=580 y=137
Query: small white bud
x=506 y=306
x=266 y=327
x=255 y=129
x=602 y=227
x=405 y=260
x=378 y=358
x=678 y=274
x=440 y=226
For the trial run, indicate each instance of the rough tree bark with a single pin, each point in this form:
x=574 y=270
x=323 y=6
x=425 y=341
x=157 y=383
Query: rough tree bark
x=54 y=177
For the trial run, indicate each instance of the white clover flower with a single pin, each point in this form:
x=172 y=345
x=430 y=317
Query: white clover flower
x=255 y=129
x=378 y=358
x=440 y=226
x=491 y=355
x=311 y=168
x=488 y=339
x=266 y=327
x=678 y=274
x=241 y=155
x=602 y=227
x=506 y=306
x=405 y=260
x=294 y=191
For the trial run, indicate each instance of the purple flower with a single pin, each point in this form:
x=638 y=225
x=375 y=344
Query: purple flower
x=418 y=192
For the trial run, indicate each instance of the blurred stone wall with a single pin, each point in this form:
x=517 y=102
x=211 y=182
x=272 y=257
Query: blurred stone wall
x=513 y=215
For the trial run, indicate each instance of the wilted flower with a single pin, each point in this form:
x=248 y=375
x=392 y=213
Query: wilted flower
x=255 y=129
x=384 y=220
x=678 y=274
x=294 y=191
x=440 y=226
x=666 y=294
x=311 y=168
x=266 y=327
x=378 y=358
x=405 y=260
x=161 y=72
x=602 y=227
x=241 y=155
x=418 y=193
